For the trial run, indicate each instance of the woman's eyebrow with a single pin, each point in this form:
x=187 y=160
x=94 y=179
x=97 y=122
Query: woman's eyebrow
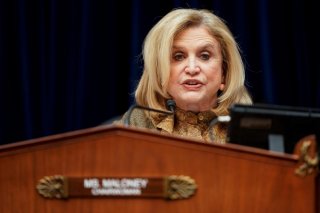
x=204 y=46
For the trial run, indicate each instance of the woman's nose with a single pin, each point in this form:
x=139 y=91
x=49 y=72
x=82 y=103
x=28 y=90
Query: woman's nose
x=192 y=67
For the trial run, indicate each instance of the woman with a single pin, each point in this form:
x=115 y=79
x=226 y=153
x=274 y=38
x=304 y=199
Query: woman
x=191 y=57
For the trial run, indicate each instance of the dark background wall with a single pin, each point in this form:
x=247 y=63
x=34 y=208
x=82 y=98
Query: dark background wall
x=72 y=64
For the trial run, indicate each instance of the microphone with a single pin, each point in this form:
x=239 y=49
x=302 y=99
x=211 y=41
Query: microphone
x=136 y=106
x=171 y=105
x=219 y=119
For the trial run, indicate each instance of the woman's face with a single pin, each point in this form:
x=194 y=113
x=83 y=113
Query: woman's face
x=196 y=73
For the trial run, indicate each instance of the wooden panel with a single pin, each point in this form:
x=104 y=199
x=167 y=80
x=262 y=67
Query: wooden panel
x=230 y=178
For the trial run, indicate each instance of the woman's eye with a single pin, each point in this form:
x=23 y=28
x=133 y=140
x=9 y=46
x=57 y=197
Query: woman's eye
x=205 y=56
x=178 y=57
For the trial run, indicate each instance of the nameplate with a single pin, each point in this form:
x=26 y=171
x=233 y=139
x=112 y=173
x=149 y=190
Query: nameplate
x=169 y=187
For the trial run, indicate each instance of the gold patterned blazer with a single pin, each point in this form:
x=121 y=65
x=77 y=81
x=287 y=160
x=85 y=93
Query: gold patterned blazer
x=182 y=123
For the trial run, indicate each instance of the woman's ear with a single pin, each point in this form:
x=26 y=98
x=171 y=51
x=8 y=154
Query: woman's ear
x=222 y=86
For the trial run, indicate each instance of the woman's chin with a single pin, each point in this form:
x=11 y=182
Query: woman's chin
x=193 y=98
x=194 y=105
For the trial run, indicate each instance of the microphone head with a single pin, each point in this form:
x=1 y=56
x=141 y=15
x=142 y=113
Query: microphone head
x=171 y=105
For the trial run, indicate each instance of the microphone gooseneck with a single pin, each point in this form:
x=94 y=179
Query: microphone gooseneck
x=219 y=119
x=136 y=106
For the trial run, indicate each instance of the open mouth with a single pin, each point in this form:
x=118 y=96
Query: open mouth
x=191 y=83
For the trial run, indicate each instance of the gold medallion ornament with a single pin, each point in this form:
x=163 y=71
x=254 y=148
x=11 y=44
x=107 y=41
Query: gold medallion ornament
x=179 y=187
x=53 y=187
x=309 y=164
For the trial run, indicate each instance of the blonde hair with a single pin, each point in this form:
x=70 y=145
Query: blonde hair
x=152 y=88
